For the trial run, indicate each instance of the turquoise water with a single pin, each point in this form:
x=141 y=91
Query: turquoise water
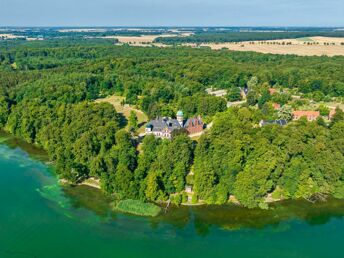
x=38 y=218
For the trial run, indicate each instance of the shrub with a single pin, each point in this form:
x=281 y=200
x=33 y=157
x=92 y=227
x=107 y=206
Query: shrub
x=176 y=199
x=184 y=198
x=190 y=179
x=194 y=199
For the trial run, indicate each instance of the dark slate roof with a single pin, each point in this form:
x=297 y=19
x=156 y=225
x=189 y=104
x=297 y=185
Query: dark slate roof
x=160 y=124
x=277 y=122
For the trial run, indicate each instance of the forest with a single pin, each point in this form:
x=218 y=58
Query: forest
x=47 y=93
x=300 y=160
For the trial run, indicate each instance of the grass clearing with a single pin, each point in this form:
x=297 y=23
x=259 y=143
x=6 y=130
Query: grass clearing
x=125 y=110
x=315 y=105
x=137 y=207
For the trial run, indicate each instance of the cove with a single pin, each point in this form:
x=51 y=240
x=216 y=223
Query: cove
x=39 y=218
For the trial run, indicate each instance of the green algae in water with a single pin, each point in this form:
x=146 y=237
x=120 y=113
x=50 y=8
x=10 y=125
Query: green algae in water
x=93 y=199
x=53 y=193
x=57 y=195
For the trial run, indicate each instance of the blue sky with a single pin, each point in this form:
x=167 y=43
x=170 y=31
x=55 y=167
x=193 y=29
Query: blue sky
x=171 y=13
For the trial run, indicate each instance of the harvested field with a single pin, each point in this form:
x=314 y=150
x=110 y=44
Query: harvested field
x=134 y=39
x=314 y=46
x=143 y=39
x=138 y=40
x=337 y=41
x=10 y=36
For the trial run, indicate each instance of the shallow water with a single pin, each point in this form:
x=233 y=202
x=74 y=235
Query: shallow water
x=38 y=218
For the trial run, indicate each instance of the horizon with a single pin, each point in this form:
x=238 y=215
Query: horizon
x=158 y=13
x=170 y=26
x=166 y=26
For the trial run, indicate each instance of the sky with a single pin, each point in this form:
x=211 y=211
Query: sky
x=172 y=13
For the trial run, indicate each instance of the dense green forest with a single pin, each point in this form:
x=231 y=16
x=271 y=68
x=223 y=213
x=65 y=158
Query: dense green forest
x=47 y=93
x=297 y=161
x=206 y=37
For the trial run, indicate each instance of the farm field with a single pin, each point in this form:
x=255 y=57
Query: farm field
x=9 y=36
x=134 y=40
x=313 y=46
x=143 y=39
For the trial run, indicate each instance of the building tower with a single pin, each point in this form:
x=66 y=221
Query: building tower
x=180 y=118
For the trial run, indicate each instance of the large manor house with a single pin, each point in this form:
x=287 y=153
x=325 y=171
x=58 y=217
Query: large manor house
x=163 y=127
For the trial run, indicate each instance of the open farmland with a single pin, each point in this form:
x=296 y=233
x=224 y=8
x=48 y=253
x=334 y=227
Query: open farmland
x=143 y=39
x=9 y=36
x=134 y=40
x=313 y=46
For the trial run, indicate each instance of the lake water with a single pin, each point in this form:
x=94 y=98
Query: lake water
x=38 y=218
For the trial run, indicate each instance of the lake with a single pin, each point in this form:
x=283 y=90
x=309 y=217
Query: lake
x=39 y=218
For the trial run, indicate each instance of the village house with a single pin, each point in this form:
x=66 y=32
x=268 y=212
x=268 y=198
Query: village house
x=194 y=125
x=163 y=127
x=310 y=115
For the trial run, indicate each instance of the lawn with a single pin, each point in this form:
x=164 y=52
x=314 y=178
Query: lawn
x=315 y=105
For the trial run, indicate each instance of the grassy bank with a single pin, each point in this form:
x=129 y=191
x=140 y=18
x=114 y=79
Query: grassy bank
x=137 y=207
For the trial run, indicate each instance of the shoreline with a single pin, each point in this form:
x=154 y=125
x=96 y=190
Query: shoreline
x=95 y=183
x=91 y=182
